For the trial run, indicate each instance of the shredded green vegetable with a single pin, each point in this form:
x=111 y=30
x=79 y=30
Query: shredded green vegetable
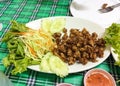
x=16 y=47
x=29 y=47
x=112 y=37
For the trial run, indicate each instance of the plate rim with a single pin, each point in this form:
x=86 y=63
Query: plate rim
x=115 y=56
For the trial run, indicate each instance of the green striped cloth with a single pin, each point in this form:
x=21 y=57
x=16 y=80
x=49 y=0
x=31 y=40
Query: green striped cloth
x=27 y=10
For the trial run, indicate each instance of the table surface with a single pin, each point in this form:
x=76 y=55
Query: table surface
x=25 y=11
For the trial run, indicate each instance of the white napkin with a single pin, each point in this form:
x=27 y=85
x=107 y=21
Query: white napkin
x=88 y=9
x=1 y=26
x=4 y=80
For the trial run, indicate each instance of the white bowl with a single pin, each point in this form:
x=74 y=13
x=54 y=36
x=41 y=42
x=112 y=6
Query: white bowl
x=100 y=76
x=64 y=84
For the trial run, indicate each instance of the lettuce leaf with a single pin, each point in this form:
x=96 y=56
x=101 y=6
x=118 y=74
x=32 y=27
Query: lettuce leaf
x=112 y=37
x=16 y=47
x=30 y=47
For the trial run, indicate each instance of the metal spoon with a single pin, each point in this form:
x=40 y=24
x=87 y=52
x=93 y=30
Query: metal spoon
x=108 y=9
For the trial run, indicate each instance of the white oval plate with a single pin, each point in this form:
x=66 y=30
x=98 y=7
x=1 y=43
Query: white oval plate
x=115 y=56
x=88 y=9
x=72 y=22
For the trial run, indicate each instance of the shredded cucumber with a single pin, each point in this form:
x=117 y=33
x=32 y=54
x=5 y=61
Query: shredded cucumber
x=44 y=65
x=46 y=24
x=52 y=63
x=53 y=26
x=57 y=25
x=58 y=66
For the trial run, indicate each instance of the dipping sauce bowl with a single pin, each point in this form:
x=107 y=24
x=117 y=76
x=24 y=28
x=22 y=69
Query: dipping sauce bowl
x=98 y=77
x=64 y=84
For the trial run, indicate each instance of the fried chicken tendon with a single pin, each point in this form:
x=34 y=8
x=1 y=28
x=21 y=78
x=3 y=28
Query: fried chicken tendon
x=78 y=46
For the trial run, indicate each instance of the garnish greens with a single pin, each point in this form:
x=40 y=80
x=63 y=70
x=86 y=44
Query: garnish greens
x=33 y=47
x=112 y=37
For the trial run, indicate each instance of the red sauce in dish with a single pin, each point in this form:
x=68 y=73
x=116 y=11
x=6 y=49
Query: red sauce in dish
x=98 y=79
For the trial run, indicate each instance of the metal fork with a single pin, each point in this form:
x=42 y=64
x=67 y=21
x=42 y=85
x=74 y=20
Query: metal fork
x=108 y=9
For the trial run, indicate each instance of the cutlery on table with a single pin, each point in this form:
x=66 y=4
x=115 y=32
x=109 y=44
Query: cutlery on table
x=109 y=8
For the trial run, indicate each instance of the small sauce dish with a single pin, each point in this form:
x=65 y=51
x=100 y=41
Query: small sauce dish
x=64 y=84
x=98 y=77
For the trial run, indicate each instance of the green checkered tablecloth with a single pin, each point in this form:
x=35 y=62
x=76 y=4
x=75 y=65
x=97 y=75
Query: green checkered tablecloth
x=28 y=10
